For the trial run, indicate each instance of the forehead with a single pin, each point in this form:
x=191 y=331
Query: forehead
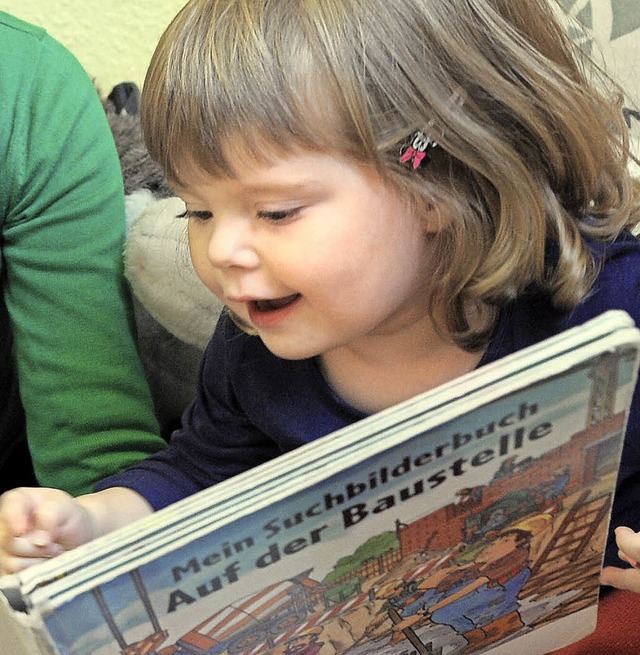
x=297 y=170
x=239 y=156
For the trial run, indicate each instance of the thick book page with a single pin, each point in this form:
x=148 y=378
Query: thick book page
x=164 y=540
x=305 y=458
x=459 y=536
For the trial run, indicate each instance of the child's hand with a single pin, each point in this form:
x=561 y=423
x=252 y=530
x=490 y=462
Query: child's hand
x=629 y=544
x=37 y=524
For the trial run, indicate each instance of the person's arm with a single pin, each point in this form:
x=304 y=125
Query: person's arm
x=39 y=523
x=88 y=408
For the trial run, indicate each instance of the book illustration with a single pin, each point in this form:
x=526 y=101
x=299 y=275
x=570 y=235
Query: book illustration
x=455 y=541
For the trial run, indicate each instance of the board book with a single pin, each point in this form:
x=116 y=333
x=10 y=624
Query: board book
x=456 y=522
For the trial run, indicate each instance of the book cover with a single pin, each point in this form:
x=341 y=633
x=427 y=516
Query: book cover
x=445 y=528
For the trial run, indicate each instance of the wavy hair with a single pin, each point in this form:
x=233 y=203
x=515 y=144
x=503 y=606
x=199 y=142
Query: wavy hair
x=534 y=162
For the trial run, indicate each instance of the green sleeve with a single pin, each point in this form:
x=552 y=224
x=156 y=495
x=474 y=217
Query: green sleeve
x=88 y=408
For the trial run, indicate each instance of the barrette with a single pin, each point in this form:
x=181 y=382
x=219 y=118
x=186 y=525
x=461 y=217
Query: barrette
x=416 y=151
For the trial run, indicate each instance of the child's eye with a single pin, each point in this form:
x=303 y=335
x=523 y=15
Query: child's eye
x=279 y=215
x=199 y=215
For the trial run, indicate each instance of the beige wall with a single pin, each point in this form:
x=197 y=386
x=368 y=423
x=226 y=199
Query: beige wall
x=113 y=39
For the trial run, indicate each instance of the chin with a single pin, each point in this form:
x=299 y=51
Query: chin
x=291 y=351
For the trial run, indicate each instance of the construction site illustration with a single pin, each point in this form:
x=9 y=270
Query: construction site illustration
x=453 y=541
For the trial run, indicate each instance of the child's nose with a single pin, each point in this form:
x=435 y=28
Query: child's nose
x=231 y=244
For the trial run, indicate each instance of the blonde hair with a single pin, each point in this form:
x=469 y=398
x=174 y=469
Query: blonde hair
x=532 y=163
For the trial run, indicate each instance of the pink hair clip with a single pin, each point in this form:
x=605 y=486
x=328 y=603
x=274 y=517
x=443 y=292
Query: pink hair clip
x=416 y=150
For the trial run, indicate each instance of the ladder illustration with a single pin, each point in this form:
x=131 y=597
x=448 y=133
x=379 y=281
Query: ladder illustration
x=567 y=548
x=576 y=530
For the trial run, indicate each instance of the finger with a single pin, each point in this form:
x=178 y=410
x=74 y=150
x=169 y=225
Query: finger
x=37 y=549
x=625 y=558
x=54 y=513
x=628 y=579
x=40 y=538
x=21 y=552
x=11 y=564
x=15 y=511
x=61 y=518
x=629 y=543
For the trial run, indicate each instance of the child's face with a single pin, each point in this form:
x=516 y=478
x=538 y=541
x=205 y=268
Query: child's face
x=313 y=251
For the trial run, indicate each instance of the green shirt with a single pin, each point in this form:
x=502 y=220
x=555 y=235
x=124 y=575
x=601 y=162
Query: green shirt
x=66 y=327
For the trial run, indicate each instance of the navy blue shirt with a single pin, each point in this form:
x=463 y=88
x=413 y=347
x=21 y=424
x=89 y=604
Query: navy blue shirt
x=252 y=406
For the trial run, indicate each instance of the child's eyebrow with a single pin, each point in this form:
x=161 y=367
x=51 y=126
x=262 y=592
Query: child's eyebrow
x=264 y=187
x=283 y=187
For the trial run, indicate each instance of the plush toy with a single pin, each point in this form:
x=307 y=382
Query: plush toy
x=142 y=177
x=175 y=313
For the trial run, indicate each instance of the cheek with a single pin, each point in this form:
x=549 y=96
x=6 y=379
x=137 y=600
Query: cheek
x=327 y=268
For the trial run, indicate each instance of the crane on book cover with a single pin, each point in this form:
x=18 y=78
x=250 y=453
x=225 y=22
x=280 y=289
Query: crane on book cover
x=146 y=646
x=250 y=622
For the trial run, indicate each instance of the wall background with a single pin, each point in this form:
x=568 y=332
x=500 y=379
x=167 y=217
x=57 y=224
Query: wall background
x=113 y=39
x=615 y=28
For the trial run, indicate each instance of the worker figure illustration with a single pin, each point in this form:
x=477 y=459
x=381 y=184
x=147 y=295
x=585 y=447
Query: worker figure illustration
x=478 y=600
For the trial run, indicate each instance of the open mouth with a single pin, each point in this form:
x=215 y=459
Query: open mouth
x=274 y=303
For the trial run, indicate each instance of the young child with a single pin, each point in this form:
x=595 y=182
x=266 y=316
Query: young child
x=385 y=195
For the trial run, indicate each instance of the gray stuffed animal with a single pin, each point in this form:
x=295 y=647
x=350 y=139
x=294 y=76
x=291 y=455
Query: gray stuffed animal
x=139 y=171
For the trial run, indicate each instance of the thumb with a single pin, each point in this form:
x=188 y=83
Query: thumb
x=629 y=544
